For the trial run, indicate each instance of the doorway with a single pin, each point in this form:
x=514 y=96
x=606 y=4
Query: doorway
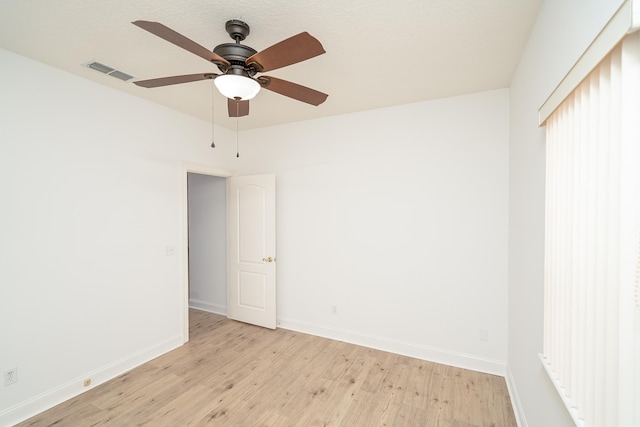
x=207 y=246
x=204 y=241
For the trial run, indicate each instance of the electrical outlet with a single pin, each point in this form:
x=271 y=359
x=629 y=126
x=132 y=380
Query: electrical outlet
x=169 y=250
x=334 y=309
x=484 y=335
x=10 y=376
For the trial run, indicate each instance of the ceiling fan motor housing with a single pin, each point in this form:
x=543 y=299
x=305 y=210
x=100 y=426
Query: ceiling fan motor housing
x=235 y=53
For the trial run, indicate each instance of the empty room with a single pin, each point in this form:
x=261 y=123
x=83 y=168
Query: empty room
x=320 y=213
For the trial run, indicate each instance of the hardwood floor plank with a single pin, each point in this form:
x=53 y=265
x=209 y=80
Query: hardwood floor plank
x=230 y=373
x=122 y=387
x=67 y=414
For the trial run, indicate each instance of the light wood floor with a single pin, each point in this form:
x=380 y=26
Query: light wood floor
x=234 y=374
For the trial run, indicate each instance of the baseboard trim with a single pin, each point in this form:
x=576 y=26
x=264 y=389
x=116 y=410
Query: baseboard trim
x=207 y=306
x=48 y=399
x=432 y=354
x=518 y=410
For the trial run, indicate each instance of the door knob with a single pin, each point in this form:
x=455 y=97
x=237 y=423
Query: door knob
x=268 y=259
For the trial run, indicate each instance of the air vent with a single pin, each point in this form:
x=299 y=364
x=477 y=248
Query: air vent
x=120 y=75
x=108 y=71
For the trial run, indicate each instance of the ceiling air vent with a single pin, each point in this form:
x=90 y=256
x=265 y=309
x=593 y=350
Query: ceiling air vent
x=109 y=71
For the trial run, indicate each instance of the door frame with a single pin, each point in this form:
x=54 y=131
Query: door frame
x=186 y=168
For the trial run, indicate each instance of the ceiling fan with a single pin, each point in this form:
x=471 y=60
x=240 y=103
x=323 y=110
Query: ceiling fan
x=239 y=65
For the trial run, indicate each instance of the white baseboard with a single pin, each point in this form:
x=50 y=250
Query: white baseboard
x=432 y=354
x=207 y=306
x=50 y=398
x=515 y=400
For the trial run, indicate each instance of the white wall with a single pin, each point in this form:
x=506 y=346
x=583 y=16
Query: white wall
x=562 y=32
x=207 y=243
x=398 y=217
x=90 y=180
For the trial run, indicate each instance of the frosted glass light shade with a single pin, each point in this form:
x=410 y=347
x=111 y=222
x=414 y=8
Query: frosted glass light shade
x=234 y=87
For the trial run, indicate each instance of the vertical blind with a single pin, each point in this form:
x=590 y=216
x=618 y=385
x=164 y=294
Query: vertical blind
x=591 y=246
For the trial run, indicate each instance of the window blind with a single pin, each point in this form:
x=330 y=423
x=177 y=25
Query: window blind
x=591 y=248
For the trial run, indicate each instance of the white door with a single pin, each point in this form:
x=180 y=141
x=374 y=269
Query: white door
x=251 y=257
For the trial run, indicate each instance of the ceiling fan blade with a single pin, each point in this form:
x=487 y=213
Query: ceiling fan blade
x=289 y=51
x=237 y=108
x=178 y=39
x=174 y=80
x=293 y=90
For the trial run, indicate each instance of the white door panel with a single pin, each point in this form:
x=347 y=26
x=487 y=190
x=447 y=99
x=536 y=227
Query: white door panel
x=251 y=290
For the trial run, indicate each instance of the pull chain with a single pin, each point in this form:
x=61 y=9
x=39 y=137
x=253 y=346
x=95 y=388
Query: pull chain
x=213 y=128
x=237 y=118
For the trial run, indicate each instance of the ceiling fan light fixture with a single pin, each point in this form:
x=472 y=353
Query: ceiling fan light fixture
x=237 y=87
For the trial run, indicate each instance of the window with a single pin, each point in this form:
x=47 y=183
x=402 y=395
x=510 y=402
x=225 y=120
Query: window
x=591 y=340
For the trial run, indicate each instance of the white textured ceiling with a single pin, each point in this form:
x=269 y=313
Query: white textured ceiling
x=379 y=53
